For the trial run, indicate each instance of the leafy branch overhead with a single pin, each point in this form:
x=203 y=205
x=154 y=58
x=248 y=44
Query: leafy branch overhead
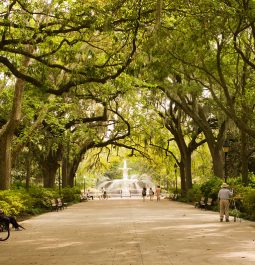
x=78 y=47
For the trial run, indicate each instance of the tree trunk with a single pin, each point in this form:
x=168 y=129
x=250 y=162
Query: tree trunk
x=7 y=135
x=66 y=167
x=183 y=178
x=8 y=129
x=50 y=165
x=218 y=163
x=28 y=173
x=244 y=158
x=217 y=158
x=188 y=175
x=214 y=142
x=5 y=161
x=65 y=173
x=50 y=171
x=73 y=169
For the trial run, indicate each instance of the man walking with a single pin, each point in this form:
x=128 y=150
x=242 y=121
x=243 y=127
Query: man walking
x=224 y=196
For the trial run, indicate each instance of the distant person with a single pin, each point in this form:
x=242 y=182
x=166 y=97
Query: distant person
x=223 y=197
x=105 y=196
x=158 y=193
x=101 y=196
x=144 y=191
x=151 y=194
x=10 y=220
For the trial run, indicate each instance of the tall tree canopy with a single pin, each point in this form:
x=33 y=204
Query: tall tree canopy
x=77 y=75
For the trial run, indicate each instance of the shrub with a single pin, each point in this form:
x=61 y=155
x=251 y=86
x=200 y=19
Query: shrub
x=13 y=202
x=211 y=188
x=194 y=194
x=41 y=196
x=249 y=204
x=20 y=202
x=71 y=194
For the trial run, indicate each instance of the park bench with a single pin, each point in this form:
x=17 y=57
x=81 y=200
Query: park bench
x=53 y=205
x=61 y=204
x=209 y=203
x=57 y=204
x=90 y=196
x=204 y=203
x=174 y=196
x=83 y=198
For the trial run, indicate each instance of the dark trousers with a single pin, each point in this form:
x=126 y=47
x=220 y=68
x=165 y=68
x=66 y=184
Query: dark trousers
x=13 y=222
x=9 y=220
x=4 y=219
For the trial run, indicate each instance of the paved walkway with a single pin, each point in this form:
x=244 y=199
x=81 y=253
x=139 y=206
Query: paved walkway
x=130 y=232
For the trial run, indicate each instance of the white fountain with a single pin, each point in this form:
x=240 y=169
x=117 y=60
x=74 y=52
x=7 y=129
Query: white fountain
x=125 y=171
x=127 y=186
x=125 y=192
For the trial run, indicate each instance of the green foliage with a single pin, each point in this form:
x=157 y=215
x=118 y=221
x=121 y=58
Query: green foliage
x=235 y=212
x=71 y=194
x=249 y=203
x=244 y=197
x=194 y=194
x=251 y=179
x=211 y=188
x=19 y=202
x=14 y=202
x=40 y=197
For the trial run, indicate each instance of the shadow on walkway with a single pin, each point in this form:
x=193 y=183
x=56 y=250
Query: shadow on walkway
x=124 y=232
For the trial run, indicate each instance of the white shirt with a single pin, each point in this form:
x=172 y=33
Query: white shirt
x=224 y=194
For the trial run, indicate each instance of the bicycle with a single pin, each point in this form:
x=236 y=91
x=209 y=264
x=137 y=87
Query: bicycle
x=4 y=231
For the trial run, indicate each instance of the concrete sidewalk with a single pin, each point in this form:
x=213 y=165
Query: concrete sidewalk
x=127 y=231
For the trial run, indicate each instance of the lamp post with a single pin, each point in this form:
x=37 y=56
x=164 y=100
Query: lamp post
x=226 y=149
x=75 y=179
x=175 y=172
x=84 y=183
x=59 y=177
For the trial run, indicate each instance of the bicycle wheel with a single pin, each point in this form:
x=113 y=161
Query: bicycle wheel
x=4 y=232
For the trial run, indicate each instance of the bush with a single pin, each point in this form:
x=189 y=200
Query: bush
x=41 y=196
x=244 y=196
x=20 y=202
x=14 y=202
x=194 y=194
x=249 y=204
x=71 y=194
x=210 y=189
